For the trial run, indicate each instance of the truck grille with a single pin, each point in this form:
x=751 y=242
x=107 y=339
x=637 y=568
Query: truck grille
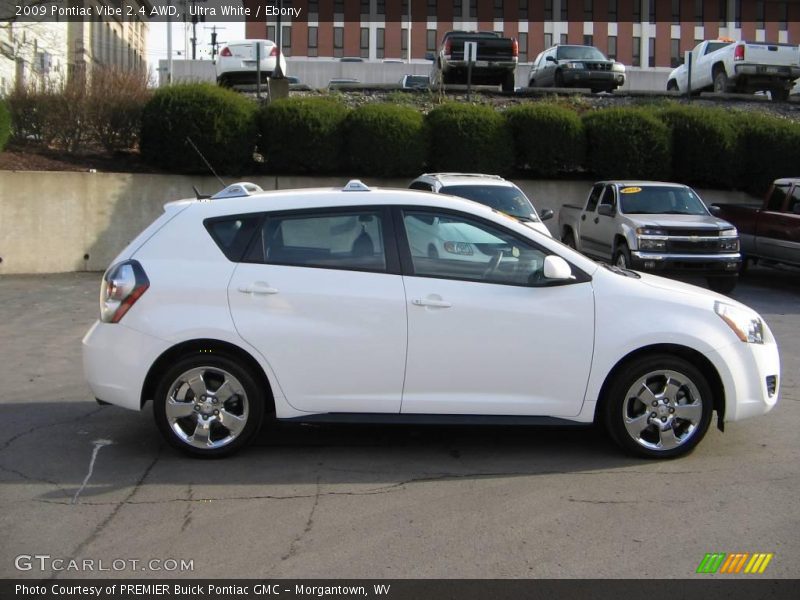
x=688 y=247
x=598 y=66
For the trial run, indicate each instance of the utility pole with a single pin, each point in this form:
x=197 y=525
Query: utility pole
x=278 y=72
x=214 y=43
x=169 y=45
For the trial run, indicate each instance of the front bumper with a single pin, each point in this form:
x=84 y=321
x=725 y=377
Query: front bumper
x=716 y=264
x=116 y=360
x=588 y=78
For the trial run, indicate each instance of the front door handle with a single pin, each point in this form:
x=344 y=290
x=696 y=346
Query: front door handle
x=259 y=287
x=432 y=302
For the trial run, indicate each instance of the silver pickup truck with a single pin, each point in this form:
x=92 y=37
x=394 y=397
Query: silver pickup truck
x=653 y=226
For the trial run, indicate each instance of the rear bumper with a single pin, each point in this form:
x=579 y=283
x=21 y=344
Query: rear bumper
x=712 y=264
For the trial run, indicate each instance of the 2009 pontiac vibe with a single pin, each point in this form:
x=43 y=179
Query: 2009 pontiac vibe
x=323 y=306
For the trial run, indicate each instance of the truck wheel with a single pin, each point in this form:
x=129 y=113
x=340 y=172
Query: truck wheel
x=622 y=256
x=558 y=79
x=672 y=85
x=658 y=406
x=532 y=83
x=779 y=94
x=721 y=85
x=722 y=284
x=569 y=240
x=509 y=83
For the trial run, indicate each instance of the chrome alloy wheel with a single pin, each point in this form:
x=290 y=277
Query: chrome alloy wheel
x=662 y=410
x=207 y=407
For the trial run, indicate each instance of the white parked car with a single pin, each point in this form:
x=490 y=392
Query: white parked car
x=490 y=190
x=310 y=306
x=237 y=62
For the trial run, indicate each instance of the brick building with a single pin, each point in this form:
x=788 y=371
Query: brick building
x=641 y=33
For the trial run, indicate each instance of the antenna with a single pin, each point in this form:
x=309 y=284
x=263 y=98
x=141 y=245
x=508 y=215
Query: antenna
x=208 y=164
x=198 y=195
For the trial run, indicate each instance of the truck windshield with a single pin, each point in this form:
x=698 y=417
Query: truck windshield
x=509 y=200
x=660 y=200
x=579 y=53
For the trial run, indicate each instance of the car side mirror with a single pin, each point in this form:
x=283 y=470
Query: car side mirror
x=714 y=210
x=551 y=59
x=606 y=210
x=556 y=268
x=546 y=213
x=429 y=56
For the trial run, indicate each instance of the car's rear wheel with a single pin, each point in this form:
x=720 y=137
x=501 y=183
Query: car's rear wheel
x=208 y=405
x=658 y=406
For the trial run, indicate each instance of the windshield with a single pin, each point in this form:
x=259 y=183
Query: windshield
x=579 y=53
x=417 y=80
x=661 y=200
x=509 y=200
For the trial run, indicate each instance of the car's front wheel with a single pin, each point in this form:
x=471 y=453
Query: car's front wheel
x=658 y=406
x=208 y=405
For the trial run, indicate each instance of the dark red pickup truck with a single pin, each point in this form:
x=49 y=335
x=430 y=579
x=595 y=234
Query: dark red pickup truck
x=770 y=233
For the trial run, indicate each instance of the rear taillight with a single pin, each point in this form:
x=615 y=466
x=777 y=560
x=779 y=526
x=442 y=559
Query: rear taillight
x=515 y=48
x=225 y=52
x=448 y=47
x=123 y=284
x=274 y=51
x=738 y=52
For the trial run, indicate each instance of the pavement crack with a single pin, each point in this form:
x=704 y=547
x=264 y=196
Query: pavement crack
x=307 y=529
x=187 y=517
x=31 y=478
x=97 y=445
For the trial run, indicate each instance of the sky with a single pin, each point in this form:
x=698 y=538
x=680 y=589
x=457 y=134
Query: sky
x=157 y=40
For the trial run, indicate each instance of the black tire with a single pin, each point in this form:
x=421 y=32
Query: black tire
x=684 y=414
x=672 y=85
x=622 y=256
x=558 y=79
x=779 y=94
x=247 y=401
x=532 y=83
x=569 y=239
x=722 y=284
x=721 y=85
x=509 y=82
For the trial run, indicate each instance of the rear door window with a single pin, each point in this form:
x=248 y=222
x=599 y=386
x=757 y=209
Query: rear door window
x=778 y=197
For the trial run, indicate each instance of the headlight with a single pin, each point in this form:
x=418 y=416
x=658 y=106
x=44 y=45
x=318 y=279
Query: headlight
x=747 y=325
x=652 y=244
x=618 y=67
x=574 y=65
x=650 y=231
x=729 y=233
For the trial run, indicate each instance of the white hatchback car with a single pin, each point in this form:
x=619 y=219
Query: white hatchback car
x=237 y=62
x=311 y=306
x=490 y=190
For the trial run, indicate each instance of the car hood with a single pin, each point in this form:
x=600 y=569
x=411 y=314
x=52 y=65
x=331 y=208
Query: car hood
x=692 y=294
x=679 y=221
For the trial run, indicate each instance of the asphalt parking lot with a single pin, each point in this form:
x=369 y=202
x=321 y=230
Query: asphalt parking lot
x=97 y=483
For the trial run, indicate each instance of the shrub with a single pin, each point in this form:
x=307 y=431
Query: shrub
x=704 y=145
x=116 y=100
x=386 y=140
x=627 y=143
x=220 y=122
x=48 y=115
x=548 y=139
x=466 y=137
x=5 y=125
x=303 y=135
x=769 y=148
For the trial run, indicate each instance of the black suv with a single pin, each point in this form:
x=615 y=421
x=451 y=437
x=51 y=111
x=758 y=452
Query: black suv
x=576 y=66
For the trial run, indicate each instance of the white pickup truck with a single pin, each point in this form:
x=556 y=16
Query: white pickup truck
x=745 y=67
x=653 y=226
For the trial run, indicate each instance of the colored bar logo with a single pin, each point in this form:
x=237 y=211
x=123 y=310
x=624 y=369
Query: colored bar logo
x=735 y=563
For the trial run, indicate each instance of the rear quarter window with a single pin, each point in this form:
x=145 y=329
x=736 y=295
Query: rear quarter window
x=233 y=234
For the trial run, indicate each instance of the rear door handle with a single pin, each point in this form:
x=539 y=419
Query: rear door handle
x=431 y=302
x=259 y=287
x=596 y=220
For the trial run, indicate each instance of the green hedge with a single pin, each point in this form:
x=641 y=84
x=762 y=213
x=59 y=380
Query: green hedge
x=769 y=148
x=304 y=135
x=386 y=140
x=5 y=125
x=705 y=149
x=466 y=137
x=548 y=139
x=221 y=123
x=627 y=143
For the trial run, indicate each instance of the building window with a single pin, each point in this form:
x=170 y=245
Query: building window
x=286 y=40
x=473 y=8
x=783 y=19
x=588 y=10
x=523 y=10
x=564 y=39
x=523 y=47
x=338 y=7
x=431 y=40
x=612 y=47
x=759 y=14
x=380 y=43
x=548 y=40
x=432 y=8
x=312 y=41
x=636 y=60
x=338 y=42
x=565 y=10
x=588 y=40
x=676 y=12
x=651 y=11
x=313 y=7
x=699 y=12
x=365 y=7
x=637 y=11
x=458 y=8
x=723 y=13
x=404 y=43
x=498 y=9
x=548 y=10
x=675 y=53
x=380 y=7
x=651 y=52
x=271 y=33
x=613 y=11
x=364 y=43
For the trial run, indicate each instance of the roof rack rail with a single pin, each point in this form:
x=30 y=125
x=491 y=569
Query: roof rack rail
x=356 y=185
x=237 y=190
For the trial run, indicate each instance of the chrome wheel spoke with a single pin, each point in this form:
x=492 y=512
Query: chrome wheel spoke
x=201 y=436
x=647 y=396
x=197 y=384
x=668 y=439
x=689 y=412
x=179 y=410
x=226 y=391
x=233 y=423
x=672 y=388
x=637 y=425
